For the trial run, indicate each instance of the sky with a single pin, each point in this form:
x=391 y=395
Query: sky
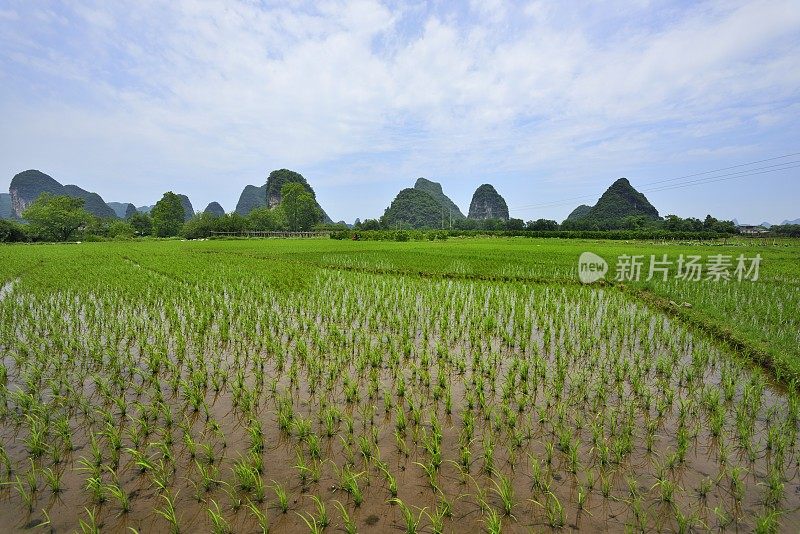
x=548 y=101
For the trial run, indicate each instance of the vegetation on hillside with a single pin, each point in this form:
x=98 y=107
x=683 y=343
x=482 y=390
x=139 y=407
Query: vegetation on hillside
x=579 y=213
x=434 y=189
x=414 y=208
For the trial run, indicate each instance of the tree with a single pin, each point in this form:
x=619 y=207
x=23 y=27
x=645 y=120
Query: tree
x=167 y=215
x=263 y=220
x=230 y=222
x=299 y=207
x=142 y=223
x=371 y=224
x=199 y=226
x=515 y=224
x=56 y=217
x=11 y=232
x=120 y=229
x=542 y=225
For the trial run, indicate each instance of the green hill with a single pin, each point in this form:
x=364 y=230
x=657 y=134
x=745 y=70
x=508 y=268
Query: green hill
x=26 y=187
x=269 y=194
x=215 y=209
x=579 y=213
x=252 y=197
x=487 y=204
x=619 y=201
x=434 y=189
x=413 y=208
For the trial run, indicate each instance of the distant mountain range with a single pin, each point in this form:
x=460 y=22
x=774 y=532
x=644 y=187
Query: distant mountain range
x=26 y=187
x=768 y=225
x=423 y=206
x=6 y=208
x=123 y=210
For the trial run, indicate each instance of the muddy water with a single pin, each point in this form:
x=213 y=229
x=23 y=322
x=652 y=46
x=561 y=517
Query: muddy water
x=608 y=505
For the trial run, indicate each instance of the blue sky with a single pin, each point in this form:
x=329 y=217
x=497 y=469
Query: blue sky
x=548 y=101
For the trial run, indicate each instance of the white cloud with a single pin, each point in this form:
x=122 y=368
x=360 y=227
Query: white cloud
x=213 y=88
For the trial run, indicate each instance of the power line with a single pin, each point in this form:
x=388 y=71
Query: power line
x=709 y=179
x=722 y=169
x=722 y=178
x=696 y=183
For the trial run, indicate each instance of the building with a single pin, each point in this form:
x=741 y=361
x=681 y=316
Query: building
x=751 y=230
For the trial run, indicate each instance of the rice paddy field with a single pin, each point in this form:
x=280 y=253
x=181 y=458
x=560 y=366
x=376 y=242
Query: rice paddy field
x=462 y=385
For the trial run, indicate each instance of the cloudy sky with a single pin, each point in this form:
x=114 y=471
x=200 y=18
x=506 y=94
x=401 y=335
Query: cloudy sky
x=548 y=101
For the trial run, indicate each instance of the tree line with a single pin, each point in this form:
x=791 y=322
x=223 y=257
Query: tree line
x=670 y=223
x=64 y=218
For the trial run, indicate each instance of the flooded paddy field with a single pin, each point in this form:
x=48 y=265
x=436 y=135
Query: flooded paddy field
x=255 y=387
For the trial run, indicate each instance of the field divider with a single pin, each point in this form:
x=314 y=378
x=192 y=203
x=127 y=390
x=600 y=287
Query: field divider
x=755 y=353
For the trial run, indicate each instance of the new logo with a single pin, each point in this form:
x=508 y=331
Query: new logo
x=591 y=267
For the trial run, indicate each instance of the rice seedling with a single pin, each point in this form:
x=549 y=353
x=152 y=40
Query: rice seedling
x=492 y=521
x=349 y=483
x=90 y=526
x=118 y=493
x=219 y=525
x=53 y=479
x=282 y=496
x=260 y=516
x=554 y=510
x=168 y=512
x=411 y=520
x=213 y=377
x=349 y=525
x=505 y=491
